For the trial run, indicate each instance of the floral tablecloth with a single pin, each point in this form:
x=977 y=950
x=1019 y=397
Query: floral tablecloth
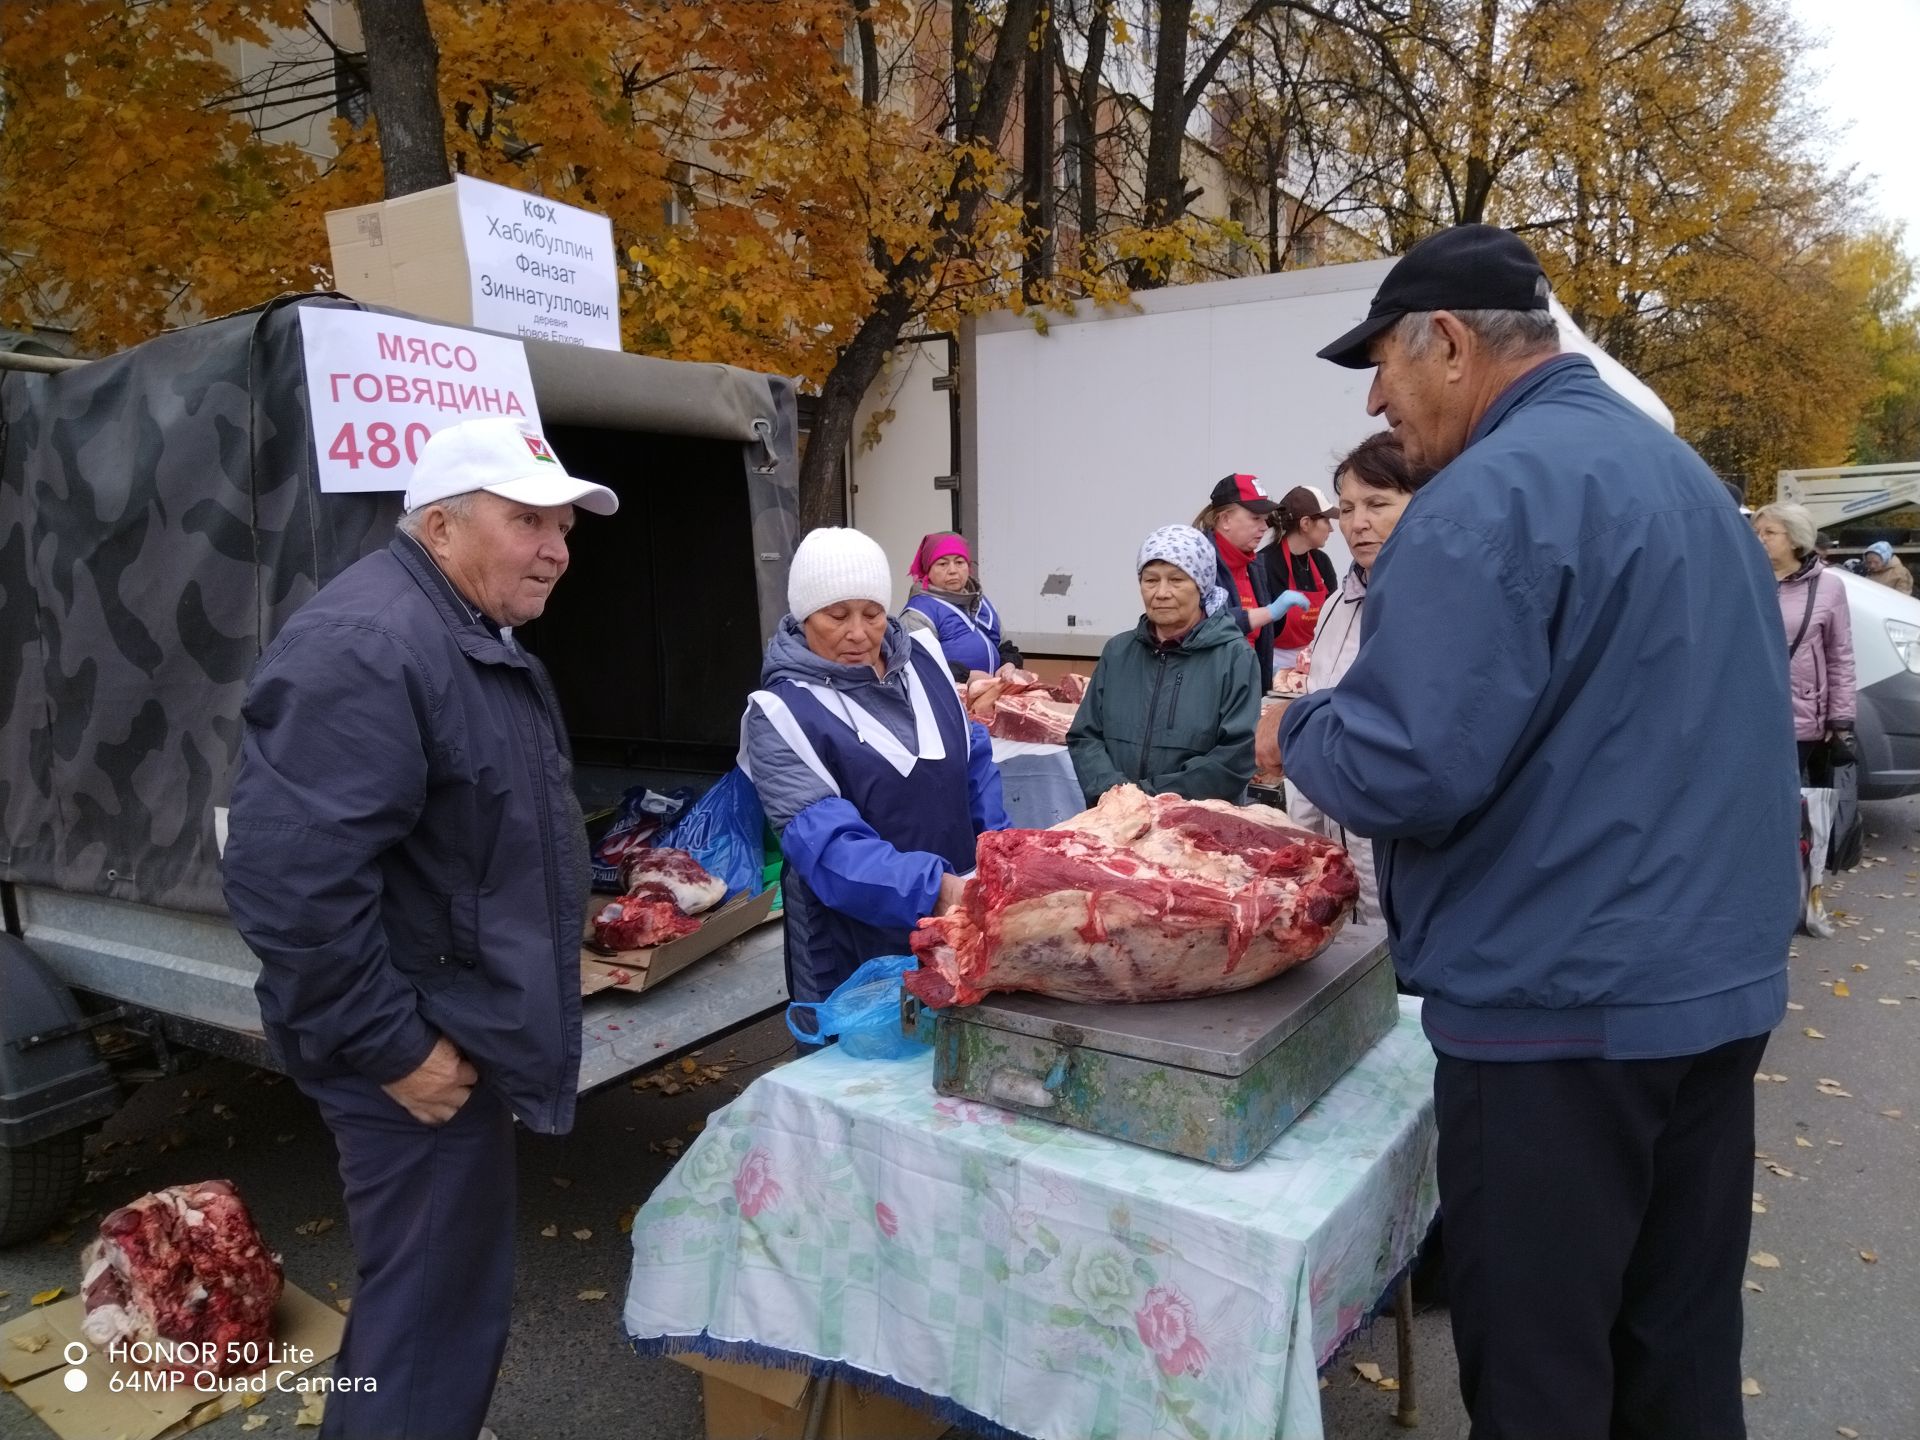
x=1061 y=1285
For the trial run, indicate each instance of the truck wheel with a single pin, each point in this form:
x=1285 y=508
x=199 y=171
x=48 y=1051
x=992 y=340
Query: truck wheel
x=38 y=1183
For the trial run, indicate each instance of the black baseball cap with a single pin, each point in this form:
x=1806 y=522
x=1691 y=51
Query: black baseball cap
x=1242 y=490
x=1469 y=267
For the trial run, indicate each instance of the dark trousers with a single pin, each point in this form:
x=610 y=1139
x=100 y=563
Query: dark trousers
x=431 y=1212
x=1597 y=1219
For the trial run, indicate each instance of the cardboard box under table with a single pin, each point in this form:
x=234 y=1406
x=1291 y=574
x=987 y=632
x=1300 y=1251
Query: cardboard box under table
x=1215 y=1079
x=755 y=1402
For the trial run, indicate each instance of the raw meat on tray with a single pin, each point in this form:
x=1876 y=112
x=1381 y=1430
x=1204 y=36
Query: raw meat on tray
x=636 y=922
x=1140 y=898
x=1016 y=704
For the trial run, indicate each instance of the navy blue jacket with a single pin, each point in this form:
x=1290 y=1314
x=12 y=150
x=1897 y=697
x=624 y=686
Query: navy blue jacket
x=405 y=853
x=824 y=837
x=1568 y=732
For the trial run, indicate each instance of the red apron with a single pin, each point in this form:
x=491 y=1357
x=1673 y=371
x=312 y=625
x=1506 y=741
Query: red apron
x=1297 y=630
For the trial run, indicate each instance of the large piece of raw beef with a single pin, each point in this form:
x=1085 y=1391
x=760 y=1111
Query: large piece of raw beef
x=1140 y=898
x=184 y=1264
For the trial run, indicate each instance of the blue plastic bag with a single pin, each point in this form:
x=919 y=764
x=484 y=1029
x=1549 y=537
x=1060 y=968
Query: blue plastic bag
x=863 y=1010
x=723 y=832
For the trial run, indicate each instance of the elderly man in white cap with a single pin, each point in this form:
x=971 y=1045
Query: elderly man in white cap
x=866 y=763
x=407 y=859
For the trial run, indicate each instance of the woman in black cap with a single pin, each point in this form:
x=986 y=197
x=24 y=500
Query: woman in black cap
x=1235 y=521
x=1297 y=561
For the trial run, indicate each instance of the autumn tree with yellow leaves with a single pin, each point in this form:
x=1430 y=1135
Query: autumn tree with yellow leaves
x=1661 y=158
x=796 y=185
x=790 y=183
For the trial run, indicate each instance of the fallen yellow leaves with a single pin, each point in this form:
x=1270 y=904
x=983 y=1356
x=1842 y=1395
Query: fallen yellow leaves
x=677 y=1079
x=1841 y=989
x=1370 y=1372
x=591 y=1295
x=255 y=1422
x=1890 y=1114
x=1888 y=1000
x=1750 y=1387
x=1765 y=1261
x=32 y=1344
x=1803 y=1142
x=312 y=1412
x=1813 y=1034
x=1832 y=1089
x=47 y=1297
x=1869 y=1257
x=315 y=1227
x=583 y=1234
x=1756 y=1287
x=1846 y=1433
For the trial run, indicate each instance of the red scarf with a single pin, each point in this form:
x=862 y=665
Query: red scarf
x=1239 y=565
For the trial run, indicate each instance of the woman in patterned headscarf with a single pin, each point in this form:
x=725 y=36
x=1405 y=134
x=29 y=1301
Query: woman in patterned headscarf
x=1173 y=703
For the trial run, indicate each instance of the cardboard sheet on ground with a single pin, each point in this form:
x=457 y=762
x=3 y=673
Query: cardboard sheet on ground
x=38 y=1376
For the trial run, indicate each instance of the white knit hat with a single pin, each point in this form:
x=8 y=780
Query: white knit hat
x=497 y=455
x=834 y=564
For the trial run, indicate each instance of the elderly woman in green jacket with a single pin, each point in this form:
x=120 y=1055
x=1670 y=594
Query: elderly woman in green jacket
x=1173 y=703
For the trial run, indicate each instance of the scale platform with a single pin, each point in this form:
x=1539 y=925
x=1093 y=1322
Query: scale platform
x=1216 y=1079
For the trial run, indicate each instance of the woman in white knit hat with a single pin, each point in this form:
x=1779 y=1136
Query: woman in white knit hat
x=867 y=764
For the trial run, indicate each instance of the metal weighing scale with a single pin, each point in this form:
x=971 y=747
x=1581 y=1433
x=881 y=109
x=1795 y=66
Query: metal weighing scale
x=1215 y=1079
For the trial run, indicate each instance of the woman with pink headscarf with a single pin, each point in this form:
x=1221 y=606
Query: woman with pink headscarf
x=946 y=599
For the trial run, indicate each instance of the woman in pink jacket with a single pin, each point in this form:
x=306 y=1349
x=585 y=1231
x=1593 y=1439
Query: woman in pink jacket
x=1819 y=631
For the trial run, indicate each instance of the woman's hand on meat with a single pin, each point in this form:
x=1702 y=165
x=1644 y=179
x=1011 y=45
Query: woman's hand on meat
x=952 y=887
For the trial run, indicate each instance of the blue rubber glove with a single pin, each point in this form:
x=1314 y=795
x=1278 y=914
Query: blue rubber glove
x=1288 y=600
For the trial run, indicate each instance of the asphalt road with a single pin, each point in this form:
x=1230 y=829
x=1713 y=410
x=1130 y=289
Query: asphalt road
x=1831 y=1335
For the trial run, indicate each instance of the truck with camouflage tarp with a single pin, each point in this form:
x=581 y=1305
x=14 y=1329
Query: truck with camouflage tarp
x=160 y=520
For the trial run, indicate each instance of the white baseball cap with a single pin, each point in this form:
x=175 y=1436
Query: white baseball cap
x=503 y=458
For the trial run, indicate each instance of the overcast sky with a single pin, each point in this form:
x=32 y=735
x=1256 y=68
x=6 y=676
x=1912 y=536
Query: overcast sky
x=1869 y=87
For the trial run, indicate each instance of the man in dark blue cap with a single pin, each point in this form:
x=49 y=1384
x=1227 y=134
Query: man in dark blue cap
x=1568 y=733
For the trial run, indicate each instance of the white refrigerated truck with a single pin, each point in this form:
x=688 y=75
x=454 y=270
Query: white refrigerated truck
x=1077 y=439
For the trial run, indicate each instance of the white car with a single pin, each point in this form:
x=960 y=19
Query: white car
x=1886 y=666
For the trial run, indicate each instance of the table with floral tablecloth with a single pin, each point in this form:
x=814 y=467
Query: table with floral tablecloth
x=843 y=1217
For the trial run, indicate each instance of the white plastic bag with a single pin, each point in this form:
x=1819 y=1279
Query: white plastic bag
x=1816 y=836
